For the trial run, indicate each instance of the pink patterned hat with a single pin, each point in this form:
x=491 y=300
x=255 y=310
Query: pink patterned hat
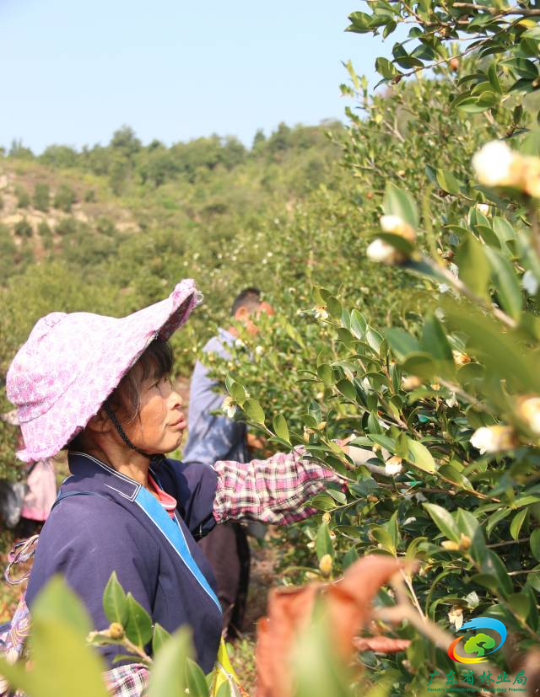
x=71 y=363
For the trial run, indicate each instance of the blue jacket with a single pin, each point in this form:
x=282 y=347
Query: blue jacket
x=125 y=529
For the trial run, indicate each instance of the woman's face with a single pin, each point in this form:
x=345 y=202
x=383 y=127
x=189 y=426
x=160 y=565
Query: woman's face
x=160 y=426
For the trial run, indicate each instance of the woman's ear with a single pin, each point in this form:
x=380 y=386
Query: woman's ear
x=99 y=423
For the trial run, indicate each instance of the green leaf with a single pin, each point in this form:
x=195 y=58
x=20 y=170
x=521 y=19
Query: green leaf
x=385 y=68
x=444 y=521
x=57 y=602
x=517 y=523
x=399 y=202
x=505 y=279
x=323 y=542
x=347 y=389
x=448 y=182
x=254 y=410
x=421 y=364
x=474 y=268
x=159 y=638
x=358 y=325
x=168 y=674
x=326 y=374
x=420 y=456
x=238 y=393
x=383 y=537
x=434 y=339
x=494 y=567
x=280 y=428
x=520 y=604
x=323 y=502
x=535 y=544
x=334 y=307
x=138 y=625
x=401 y=342
x=196 y=680
x=114 y=601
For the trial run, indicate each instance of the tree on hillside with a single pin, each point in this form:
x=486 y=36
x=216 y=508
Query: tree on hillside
x=60 y=156
x=126 y=142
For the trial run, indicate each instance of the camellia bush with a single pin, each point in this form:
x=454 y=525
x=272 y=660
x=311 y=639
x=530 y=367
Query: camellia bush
x=448 y=402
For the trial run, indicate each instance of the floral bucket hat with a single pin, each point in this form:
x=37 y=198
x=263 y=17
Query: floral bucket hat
x=72 y=362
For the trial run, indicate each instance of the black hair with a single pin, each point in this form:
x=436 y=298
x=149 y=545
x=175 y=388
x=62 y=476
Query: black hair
x=156 y=363
x=249 y=298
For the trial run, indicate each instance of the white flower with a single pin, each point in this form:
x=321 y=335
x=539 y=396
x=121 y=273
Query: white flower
x=455 y=617
x=239 y=343
x=397 y=226
x=320 y=312
x=452 y=401
x=483 y=208
x=530 y=283
x=461 y=358
x=229 y=407
x=383 y=252
x=528 y=411
x=410 y=382
x=259 y=350
x=391 y=223
x=444 y=288
x=497 y=165
x=494 y=439
x=393 y=466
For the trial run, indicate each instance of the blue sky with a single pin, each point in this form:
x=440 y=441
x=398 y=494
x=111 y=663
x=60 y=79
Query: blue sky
x=73 y=71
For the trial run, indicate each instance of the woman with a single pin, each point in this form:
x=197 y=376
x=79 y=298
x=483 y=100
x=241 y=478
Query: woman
x=100 y=386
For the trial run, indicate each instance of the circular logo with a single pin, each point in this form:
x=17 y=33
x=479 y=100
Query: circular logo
x=481 y=644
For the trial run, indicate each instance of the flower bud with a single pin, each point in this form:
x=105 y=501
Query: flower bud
x=326 y=518
x=450 y=545
x=116 y=631
x=465 y=543
x=325 y=565
x=528 y=410
x=494 y=439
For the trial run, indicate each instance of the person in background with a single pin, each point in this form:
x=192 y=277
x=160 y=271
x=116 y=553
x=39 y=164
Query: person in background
x=217 y=437
x=40 y=491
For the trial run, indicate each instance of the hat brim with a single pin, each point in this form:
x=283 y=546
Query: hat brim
x=119 y=345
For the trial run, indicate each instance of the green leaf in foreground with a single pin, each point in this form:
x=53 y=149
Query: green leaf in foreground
x=138 y=625
x=115 y=601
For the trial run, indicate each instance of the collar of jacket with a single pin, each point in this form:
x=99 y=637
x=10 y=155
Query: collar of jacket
x=98 y=476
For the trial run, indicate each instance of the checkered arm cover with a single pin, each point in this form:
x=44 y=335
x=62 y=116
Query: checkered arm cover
x=271 y=491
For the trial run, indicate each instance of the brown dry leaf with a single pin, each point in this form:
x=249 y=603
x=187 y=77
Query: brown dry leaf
x=348 y=604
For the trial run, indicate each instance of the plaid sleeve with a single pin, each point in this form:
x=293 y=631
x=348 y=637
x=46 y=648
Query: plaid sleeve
x=127 y=681
x=271 y=491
